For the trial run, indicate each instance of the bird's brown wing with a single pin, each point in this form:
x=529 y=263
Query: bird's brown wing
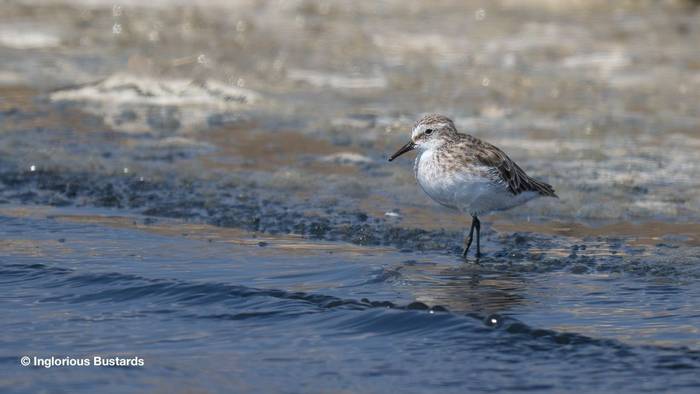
x=506 y=171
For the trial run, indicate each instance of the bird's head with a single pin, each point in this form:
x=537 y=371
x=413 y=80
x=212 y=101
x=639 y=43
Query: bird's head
x=430 y=132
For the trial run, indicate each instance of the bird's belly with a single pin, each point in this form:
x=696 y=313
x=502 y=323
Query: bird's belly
x=456 y=192
x=468 y=191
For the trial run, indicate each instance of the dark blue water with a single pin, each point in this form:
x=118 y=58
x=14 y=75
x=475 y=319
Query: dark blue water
x=210 y=310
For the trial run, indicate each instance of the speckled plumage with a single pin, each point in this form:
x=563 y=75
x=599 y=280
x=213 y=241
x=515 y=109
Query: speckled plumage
x=467 y=174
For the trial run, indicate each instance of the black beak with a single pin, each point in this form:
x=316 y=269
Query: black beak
x=406 y=148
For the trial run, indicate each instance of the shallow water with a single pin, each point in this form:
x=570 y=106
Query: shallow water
x=205 y=186
x=293 y=315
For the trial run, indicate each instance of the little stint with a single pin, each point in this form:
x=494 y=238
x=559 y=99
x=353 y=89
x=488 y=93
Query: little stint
x=464 y=173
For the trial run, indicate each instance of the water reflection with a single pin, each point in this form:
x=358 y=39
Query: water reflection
x=465 y=287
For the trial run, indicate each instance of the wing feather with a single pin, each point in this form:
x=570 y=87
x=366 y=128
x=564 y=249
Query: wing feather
x=505 y=170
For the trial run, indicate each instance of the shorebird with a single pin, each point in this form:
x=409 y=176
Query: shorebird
x=467 y=174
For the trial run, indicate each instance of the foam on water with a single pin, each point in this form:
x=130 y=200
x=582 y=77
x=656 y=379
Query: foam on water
x=131 y=89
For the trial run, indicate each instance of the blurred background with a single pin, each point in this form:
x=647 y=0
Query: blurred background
x=244 y=143
x=309 y=97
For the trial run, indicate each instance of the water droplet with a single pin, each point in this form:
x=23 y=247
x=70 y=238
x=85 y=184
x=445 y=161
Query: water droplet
x=480 y=14
x=117 y=29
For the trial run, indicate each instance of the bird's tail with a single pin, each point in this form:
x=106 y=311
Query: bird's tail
x=543 y=188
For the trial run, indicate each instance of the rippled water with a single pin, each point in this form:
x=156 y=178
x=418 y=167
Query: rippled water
x=205 y=186
x=286 y=314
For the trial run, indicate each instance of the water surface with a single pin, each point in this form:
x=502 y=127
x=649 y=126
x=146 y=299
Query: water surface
x=205 y=186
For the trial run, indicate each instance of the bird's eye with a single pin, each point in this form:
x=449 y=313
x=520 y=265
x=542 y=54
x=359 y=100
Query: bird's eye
x=429 y=131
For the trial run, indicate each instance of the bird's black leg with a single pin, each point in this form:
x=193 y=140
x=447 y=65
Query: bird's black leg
x=476 y=223
x=468 y=240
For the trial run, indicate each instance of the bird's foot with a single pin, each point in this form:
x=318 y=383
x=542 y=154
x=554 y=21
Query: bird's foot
x=474 y=260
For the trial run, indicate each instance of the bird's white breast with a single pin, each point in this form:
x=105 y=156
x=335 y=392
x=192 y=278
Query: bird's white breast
x=463 y=186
